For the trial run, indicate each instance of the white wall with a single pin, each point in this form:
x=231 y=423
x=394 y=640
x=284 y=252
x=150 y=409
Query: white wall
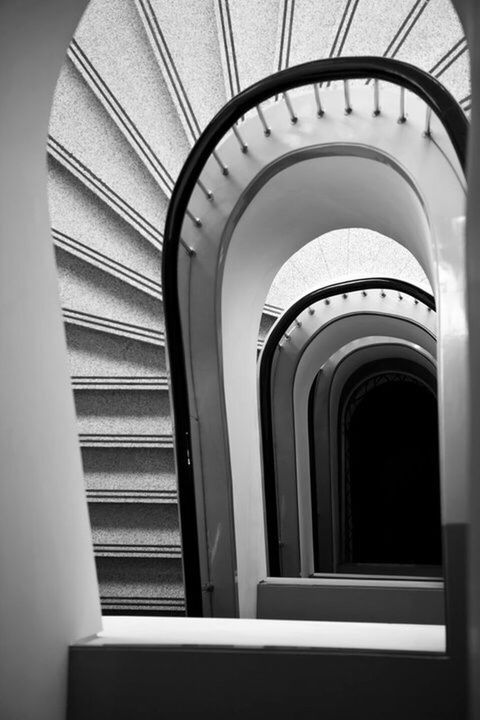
x=335 y=173
x=336 y=192
x=295 y=365
x=469 y=11
x=49 y=594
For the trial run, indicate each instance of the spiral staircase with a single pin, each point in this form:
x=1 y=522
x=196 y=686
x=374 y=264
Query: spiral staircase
x=142 y=80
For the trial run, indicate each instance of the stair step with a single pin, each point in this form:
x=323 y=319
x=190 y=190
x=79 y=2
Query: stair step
x=79 y=125
x=108 y=382
x=372 y=27
x=128 y=68
x=110 y=326
x=92 y=353
x=195 y=80
x=266 y=323
x=107 y=264
x=96 y=227
x=141 y=584
x=117 y=440
x=247 y=33
x=456 y=77
x=160 y=605
x=122 y=412
x=87 y=289
x=402 y=30
x=137 y=551
x=133 y=496
x=64 y=157
x=425 y=48
x=135 y=530
x=305 y=31
x=138 y=474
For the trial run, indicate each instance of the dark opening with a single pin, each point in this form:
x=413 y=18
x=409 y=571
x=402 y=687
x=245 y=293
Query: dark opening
x=390 y=494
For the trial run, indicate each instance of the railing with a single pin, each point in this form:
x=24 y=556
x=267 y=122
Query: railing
x=437 y=99
x=278 y=333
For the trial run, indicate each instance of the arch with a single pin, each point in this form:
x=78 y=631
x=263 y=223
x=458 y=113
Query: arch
x=393 y=401
x=324 y=407
x=355 y=310
x=214 y=278
x=47 y=36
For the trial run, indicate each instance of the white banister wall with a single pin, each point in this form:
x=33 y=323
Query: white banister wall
x=296 y=362
x=49 y=594
x=469 y=13
x=336 y=172
x=352 y=190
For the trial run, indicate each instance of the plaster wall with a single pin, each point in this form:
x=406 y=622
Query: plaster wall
x=296 y=365
x=49 y=594
x=330 y=193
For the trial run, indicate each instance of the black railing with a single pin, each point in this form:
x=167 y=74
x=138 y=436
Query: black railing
x=266 y=360
x=395 y=72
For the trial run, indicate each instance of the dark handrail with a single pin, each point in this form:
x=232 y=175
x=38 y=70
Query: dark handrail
x=266 y=360
x=345 y=68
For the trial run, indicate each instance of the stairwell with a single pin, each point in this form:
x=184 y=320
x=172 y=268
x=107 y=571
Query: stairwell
x=141 y=81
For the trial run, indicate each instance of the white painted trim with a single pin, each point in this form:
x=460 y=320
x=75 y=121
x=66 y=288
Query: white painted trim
x=246 y=633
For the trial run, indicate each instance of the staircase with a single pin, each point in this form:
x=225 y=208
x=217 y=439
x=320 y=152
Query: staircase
x=141 y=81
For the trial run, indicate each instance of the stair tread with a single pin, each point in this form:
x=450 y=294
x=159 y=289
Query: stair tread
x=78 y=214
x=86 y=288
x=77 y=118
x=200 y=73
x=126 y=64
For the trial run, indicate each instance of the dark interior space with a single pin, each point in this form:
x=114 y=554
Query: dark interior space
x=391 y=489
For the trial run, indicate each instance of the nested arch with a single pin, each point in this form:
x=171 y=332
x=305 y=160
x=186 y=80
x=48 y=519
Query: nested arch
x=319 y=327
x=32 y=180
x=325 y=418
x=319 y=188
x=326 y=194
x=388 y=461
x=214 y=315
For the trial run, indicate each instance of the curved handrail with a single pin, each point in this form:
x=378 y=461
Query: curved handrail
x=266 y=360
x=396 y=72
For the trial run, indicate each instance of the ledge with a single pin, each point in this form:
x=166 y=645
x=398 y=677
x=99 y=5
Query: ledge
x=216 y=632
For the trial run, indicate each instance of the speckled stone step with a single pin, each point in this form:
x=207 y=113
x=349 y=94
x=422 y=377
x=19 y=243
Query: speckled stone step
x=87 y=288
x=79 y=125
x=141 y=585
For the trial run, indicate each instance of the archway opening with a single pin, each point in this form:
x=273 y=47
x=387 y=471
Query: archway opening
x=389 y=485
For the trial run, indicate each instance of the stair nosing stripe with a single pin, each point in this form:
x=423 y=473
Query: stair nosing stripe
x=108 y=265
x=117 y=112
x=75 y=166
x=167 y=62
x=409 y=29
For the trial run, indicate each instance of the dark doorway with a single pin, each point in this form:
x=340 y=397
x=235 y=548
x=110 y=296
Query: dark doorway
x=390 y=486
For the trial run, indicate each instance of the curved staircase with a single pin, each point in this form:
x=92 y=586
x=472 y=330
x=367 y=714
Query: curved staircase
x=141 y=81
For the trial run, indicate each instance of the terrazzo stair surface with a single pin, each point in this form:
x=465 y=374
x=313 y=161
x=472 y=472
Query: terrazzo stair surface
x=78 y=123
x=96 y=353
x=143 y=475
x=79 y=215
x=141 y=80
x=188 y=75
x=135 y=530
x=122 y=71
x=141 y=585
x=88 y=289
